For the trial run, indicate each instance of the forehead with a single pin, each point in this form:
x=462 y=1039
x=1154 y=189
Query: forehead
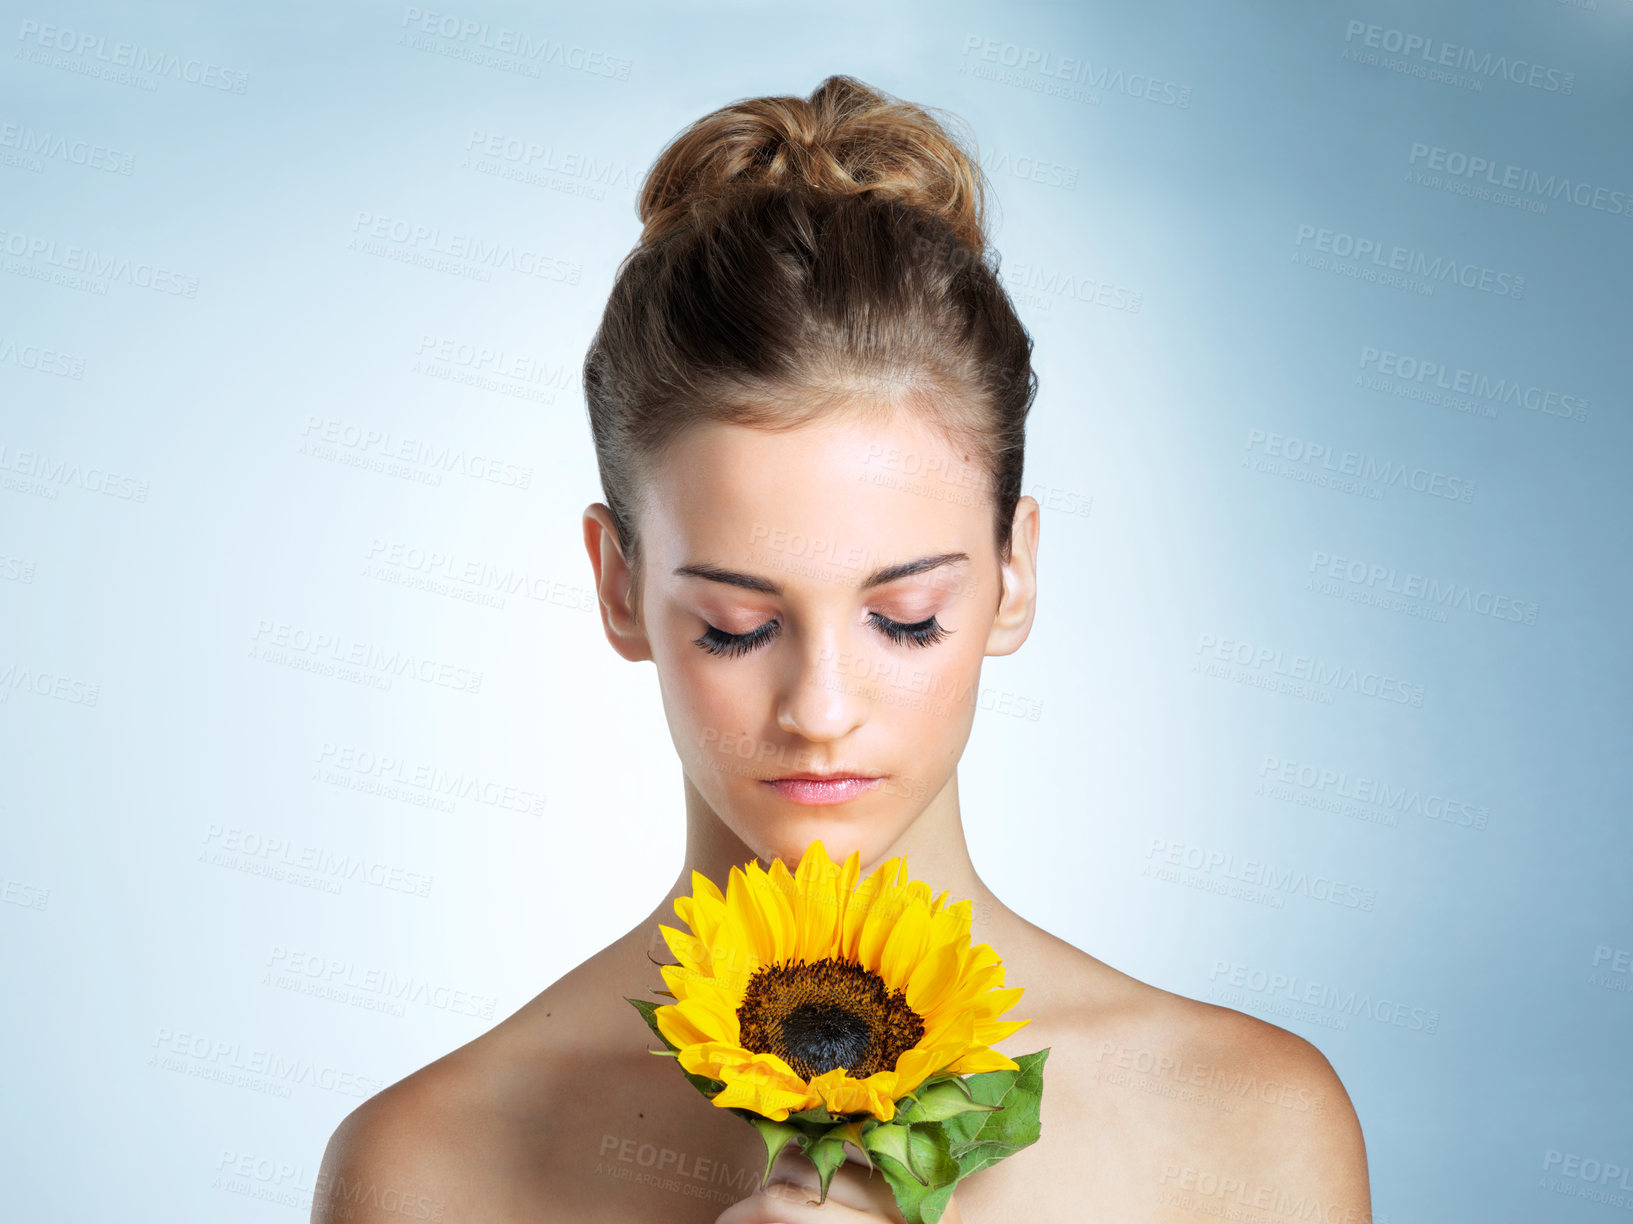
x=889 y=488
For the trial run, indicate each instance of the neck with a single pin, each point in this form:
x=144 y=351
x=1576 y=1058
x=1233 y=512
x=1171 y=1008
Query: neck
x=933 y=844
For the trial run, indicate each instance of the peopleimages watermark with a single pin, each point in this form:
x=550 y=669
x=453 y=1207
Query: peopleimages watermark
x=43 y=682
x=340 y=1197
x=1051 y=70
x=1409 y=261
x=1437 y=382
x=36 y=147
x=1612 y=969
x=1274 y=663
x=46 y=475
x=252 y=1066
x=527 y=49
x=418 y=459
x=468 y=579
x=1261 y=879
x=333 y=654
x=1324 y=786
x=23 y=894
x=79 y=267
x=1317 y=463
x=1484 y=174
x=1588 y=1178
x=431 y=246
x=386 y=771
x=1230 y=1196
x=1422 y=56
x=40 y=40
x=17 y=569
x=536 y=154
x=1372 y=582
x=367 y=987
x=1211 y=1085
x=279 y=858
x=1037 y=285
x=41 y=360
x=1032 y=169
x=1298 y=992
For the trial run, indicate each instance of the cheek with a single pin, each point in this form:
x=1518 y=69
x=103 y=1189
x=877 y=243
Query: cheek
x=717 y=705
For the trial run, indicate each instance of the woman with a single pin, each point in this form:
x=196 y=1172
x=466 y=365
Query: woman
x=808 y=396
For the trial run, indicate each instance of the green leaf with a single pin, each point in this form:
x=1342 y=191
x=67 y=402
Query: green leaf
x=980 y=1139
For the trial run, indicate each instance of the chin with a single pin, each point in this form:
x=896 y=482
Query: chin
x=790 y=840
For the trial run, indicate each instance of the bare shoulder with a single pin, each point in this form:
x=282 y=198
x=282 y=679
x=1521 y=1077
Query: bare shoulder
x=420 y=1149
x=510 y=1126
x=1233 y=1112
x=456 y=1140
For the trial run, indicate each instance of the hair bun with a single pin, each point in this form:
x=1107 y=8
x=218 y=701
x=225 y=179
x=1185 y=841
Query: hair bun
x=846 y=139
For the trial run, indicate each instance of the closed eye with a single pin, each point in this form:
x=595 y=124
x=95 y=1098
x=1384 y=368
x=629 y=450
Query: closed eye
x=926 y=632
x=920 y=633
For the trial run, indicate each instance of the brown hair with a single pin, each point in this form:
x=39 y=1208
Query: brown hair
x=805 y=256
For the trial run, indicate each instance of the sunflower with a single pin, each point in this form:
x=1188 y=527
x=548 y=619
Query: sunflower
x=816 y=991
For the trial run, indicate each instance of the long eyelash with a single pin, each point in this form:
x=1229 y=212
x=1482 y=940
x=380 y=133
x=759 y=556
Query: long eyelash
x=718 y=641
x=920 y=633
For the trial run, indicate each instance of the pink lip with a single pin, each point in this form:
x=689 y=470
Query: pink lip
x=821 y=790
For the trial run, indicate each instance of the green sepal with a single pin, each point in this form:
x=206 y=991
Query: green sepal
x=889 y=1139
x=922 y=1199
x=851 y=1132
x=776 y=1136
x=817 y=1115
x=827 y=1154
x=940 y=1101
x=649 y=1012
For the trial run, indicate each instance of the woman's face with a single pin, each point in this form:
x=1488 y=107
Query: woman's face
x=819 y=602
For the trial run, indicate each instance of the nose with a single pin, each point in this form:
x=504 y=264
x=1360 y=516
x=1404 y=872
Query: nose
x=822 y=698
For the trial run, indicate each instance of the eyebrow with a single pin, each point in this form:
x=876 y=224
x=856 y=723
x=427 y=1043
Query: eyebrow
x=879 y=577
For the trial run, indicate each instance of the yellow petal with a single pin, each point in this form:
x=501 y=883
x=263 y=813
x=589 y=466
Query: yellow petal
x=698 y=1019
x=997 y=1002
x=932 y=980
x=904 y=947
x=818 y=907
x=990 y=1033
x=703 y=886
x=686 y=947
x=983 y=1059
x=775 y=911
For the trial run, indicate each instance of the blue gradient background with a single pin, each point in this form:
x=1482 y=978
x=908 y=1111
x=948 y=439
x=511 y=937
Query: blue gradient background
x=139 y=951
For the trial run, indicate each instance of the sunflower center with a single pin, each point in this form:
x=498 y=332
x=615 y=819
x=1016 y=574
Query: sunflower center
x=824 y=1014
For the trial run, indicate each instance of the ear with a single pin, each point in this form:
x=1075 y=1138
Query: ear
x=1013 y=620
x=612 y=585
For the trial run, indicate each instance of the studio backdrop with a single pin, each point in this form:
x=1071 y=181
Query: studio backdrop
x=305 y=703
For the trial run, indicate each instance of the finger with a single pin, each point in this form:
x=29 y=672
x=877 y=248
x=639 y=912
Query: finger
x=786 y=1203
x=791 y=1197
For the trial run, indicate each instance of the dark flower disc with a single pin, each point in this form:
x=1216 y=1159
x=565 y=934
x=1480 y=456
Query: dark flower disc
x=824 y=1014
